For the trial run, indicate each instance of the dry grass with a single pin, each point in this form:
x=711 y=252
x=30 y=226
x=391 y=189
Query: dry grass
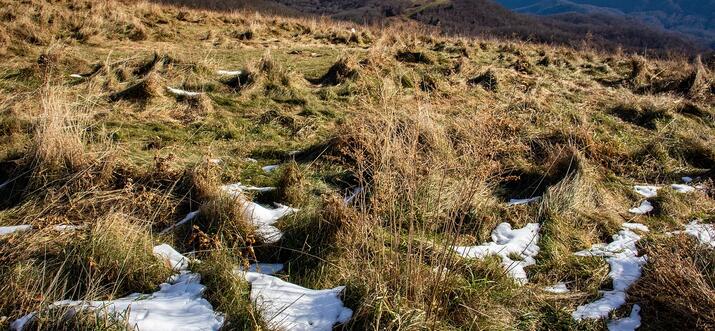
x=678 y=286
x=397 y=114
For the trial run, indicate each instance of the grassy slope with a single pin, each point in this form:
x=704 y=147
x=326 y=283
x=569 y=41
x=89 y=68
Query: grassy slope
x=438 y=149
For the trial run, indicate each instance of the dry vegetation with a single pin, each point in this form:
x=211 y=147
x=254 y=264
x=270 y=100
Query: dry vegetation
x=440 y=132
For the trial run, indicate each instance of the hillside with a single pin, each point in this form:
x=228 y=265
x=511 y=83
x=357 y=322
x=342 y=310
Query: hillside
x=484 y=18
x=163 y=167
x=693 y=18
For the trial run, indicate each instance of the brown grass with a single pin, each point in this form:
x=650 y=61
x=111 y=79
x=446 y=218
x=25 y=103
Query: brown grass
x=678 y=285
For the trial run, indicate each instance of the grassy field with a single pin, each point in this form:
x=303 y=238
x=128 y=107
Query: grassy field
x=439 y=132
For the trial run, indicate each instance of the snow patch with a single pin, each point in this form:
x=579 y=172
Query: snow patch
x=229 y=72
x=238 y=188
x=644 y=208
x=505 y=242
x=629 y=323
x=286 y=306
x=78 y=76
x=682 y=188
x=263 y=268
x=704 y=233
x=260 y=216
x=177 y=305
x=516 y=202
x=686 y=179
x=6 y=230
x=270 y=168
x=179 y=92
x=558 y=288
x=626 y=265
x=647 y=191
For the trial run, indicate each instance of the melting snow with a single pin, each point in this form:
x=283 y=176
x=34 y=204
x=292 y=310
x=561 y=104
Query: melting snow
x=686 y=179
x=505 y=242
x=629 y=323
x=705 y=233
x=260 y=216
x=270 y=168
x=558 y=288
x=78 y=76
x=229 y=72
x=644 y=208
x=286 y=306
x=6 y=230
x=622 y=256
x=182 y=93
x=516 y=202
x=190 y=216
x=682 y=188
x=264 y=268
x=647 y=190
x=177 y=305
x=238 y=188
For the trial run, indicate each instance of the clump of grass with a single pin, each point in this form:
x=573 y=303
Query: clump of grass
x=226 y=290
x=644 y=115
x=677 y=289
x=340 y=72
x=116 y=255
x=241 y=81
x=291 y=186
x=487 y=80
x=414 y=57
x=221 y=219
x=58 y=148
x=141 y=91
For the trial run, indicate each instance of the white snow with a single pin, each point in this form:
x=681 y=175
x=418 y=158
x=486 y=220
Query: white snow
x=270 y=168
x=238 y=188
x=644 y=208
x=682 y=188
x=635 y=226
x=558 y=288
x=260 y=216
x=6 y=230
x=66 y=227
x=78 y=76
x=182 y=93
x=516 y=202
x=229 y=72
x=286 y=306
x=263 y=268
x=177 y=305
x=252 y=160
x=505 y=242
x=622 y=255
x=190 y=216
x=629 y=323
x=686 y=179
x=174 y=259
x=705 y=233
x=647 y=191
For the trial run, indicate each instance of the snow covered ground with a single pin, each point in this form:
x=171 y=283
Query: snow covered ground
x=177 y=305
x=507 y=242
